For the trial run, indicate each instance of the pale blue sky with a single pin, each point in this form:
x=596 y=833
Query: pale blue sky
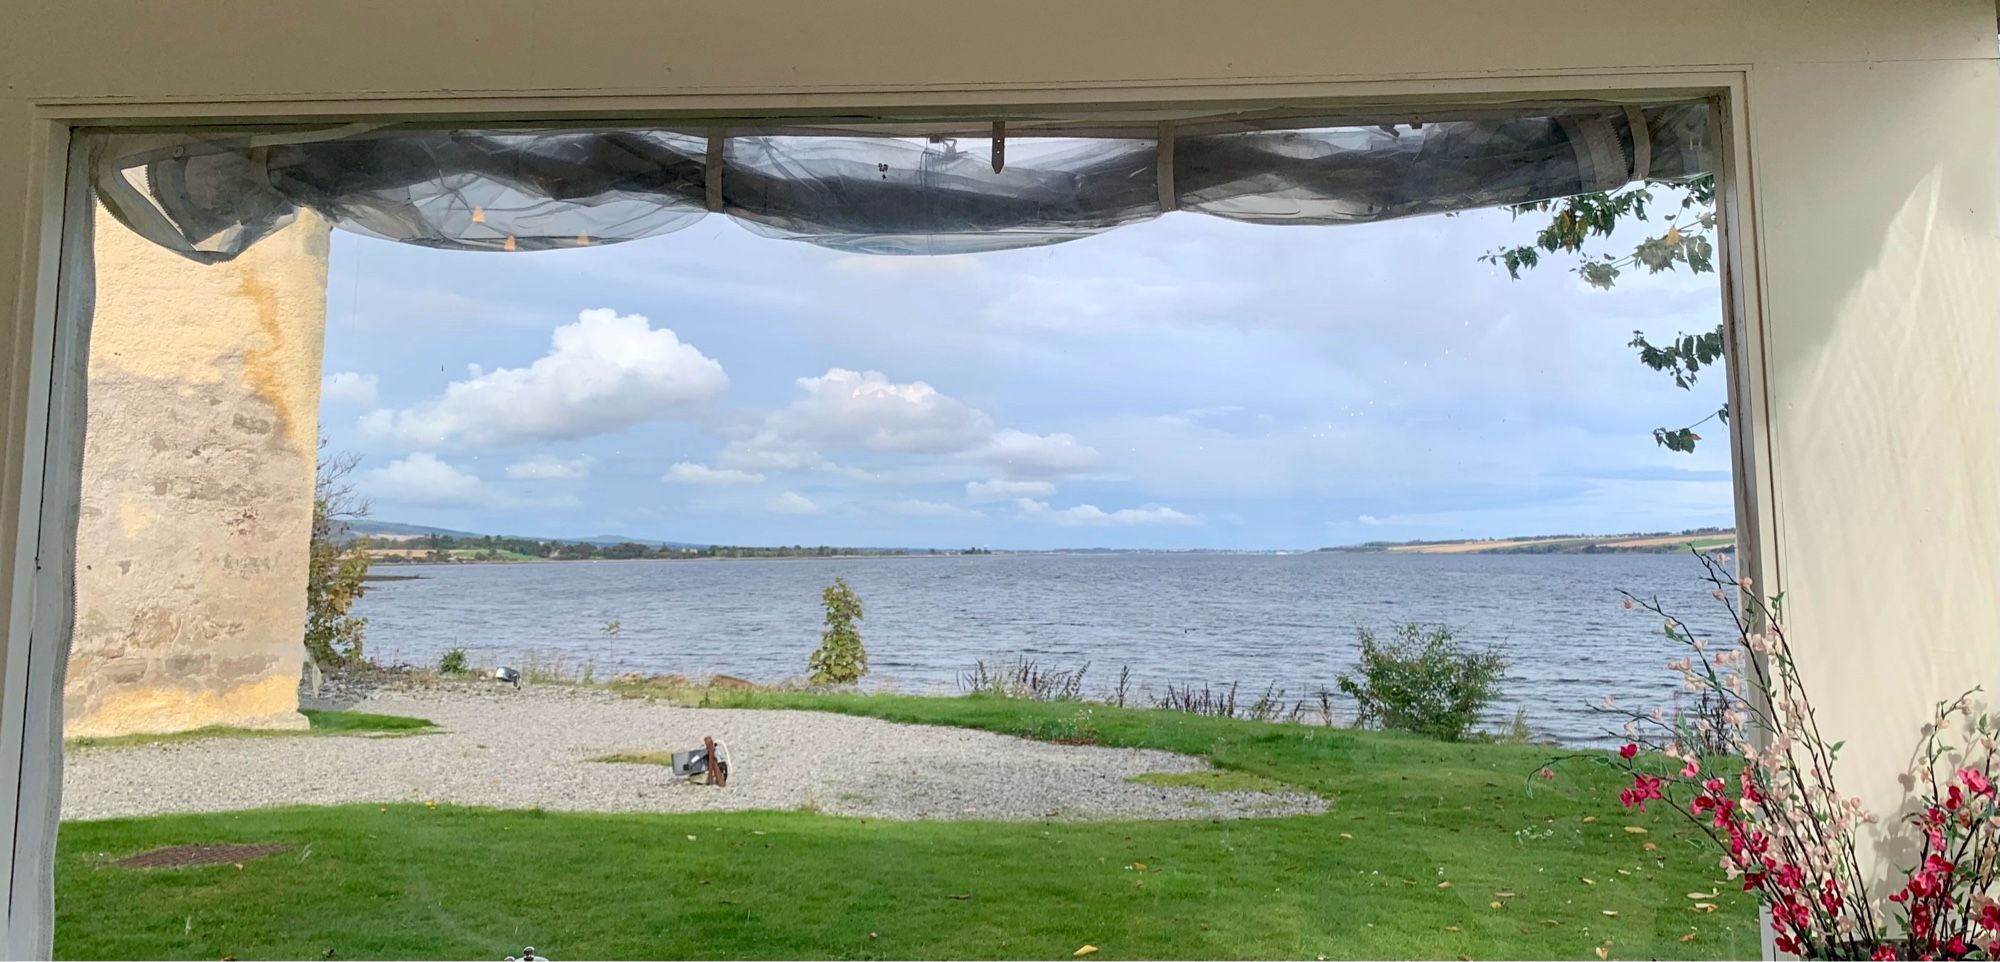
x=1184 y=383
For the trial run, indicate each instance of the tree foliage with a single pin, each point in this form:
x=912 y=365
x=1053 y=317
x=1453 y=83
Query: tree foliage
x=335 y=571
x=840 y=659
x=1576 y=223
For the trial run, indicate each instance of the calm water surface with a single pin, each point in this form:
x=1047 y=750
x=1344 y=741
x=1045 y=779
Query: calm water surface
x=1173 y=618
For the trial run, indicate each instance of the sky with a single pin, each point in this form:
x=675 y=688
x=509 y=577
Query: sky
x=1187 y=382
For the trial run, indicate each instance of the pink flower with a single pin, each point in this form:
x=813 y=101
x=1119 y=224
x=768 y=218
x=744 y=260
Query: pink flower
x=1976 y=780
x=1691 y=769
x=1629 y=751
x=1548 y=774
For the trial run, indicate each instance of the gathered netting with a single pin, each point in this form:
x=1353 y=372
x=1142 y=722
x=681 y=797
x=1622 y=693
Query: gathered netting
x=212 y=195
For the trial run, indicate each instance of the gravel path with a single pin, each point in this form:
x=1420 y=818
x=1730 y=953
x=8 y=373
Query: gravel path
x=530 y=748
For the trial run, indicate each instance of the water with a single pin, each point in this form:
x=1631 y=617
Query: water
x=1173 y=618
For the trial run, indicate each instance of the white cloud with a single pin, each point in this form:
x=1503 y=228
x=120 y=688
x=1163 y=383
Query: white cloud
x=604 y=373
x=1020 y=454
x=422 y=479
x=1092 y=516
x=918 y=508
x=687 y=472
x=548 y=467
x=349 y=387
x=866 y=411
x=984 y=492
x=1369 y=519
x=792 y=502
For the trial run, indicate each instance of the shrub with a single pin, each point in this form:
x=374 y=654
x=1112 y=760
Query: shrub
x=1422 y=681
x=840 y=659
x=453 y=662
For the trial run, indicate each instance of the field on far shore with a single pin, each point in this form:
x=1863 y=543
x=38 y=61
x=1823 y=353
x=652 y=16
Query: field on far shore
x=1714 y=541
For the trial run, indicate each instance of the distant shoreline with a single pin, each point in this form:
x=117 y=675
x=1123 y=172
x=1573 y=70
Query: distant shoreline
x=1715 y=539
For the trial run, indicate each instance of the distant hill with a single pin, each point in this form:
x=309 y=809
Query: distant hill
x=1655 y=542
x=604 y=539
x=401 y=531
x=398 y=530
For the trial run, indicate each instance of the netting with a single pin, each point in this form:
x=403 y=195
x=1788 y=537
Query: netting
x=210 y=196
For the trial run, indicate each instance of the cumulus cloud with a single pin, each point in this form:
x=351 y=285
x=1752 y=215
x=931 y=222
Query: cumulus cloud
x=1020 y=454
x=792 y=502
x=918 y=508
x=604 y=373
x=349 y=387
x=1092 y=516
x=687 y=472
x=548 y=467
x=866 y=411
x=421 y=479
x=986 y=492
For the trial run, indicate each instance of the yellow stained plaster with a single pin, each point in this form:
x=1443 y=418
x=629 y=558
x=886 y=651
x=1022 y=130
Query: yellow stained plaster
x=269 y=702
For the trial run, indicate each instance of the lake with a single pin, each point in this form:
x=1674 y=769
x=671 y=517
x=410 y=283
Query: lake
x=1206 y=618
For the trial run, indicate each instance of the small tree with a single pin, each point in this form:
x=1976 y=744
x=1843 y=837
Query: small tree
x=1421 y=681
x=335 y=571
x=840 y=659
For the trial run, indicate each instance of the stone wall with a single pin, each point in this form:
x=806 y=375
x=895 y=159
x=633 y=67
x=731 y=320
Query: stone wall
x=197 y=486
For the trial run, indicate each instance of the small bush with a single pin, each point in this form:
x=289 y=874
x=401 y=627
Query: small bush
x=453 y=662
x=840 y=659
x=1422 y=681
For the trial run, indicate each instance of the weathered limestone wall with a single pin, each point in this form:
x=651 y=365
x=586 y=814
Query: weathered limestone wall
x=197 y=486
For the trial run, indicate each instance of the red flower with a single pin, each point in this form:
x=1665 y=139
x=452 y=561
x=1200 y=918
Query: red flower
x=1644 y=787
x=1957 y=945
x=1882 y=952
x=1629 y=751
x=1989 y=917
x=1750 y=793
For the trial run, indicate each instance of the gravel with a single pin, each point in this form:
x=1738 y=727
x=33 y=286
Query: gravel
x=532 y=748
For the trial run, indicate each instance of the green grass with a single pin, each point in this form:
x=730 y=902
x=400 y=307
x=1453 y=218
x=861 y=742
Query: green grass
x=1362 y=881
x=1221 y=780
x=361 y=722
x=321 y=722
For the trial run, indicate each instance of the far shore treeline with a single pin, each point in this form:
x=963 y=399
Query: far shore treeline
x=435 y=548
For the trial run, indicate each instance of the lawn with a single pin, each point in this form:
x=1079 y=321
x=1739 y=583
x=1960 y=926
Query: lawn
x=1431 y=850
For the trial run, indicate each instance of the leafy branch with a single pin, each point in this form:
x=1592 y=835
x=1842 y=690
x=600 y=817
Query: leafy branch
x=1574 y=223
